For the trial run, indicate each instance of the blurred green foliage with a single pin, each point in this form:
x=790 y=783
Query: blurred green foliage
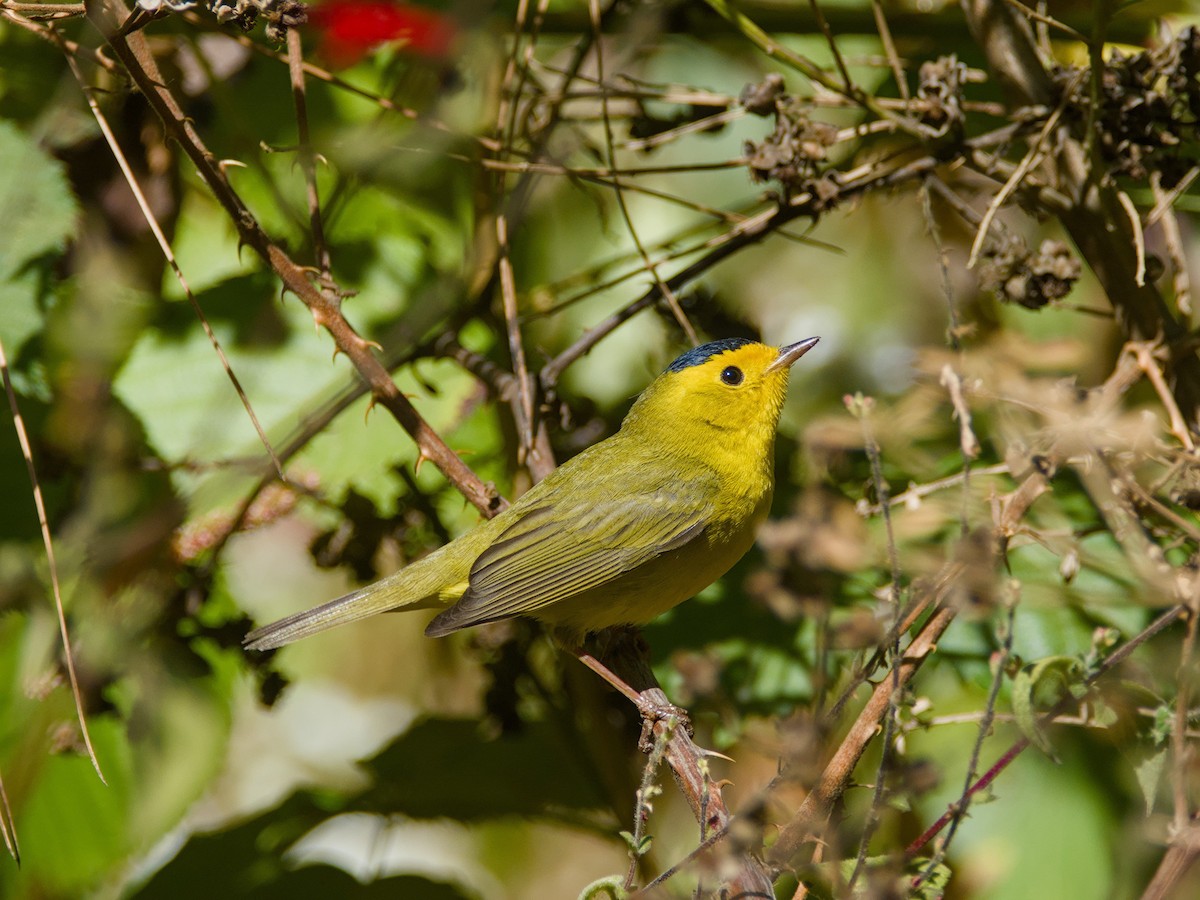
x=373 y=762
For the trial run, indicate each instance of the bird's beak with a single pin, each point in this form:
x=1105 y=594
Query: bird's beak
x=791 y=353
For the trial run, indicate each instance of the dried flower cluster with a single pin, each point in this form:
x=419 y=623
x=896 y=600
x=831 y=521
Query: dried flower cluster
x=1149 y=108
x=794 y=154
x=940 y=93
x=279 y=15
x=1017 y=275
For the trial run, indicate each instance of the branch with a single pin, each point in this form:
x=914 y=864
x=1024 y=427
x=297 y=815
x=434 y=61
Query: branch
x=626 y=657
x=836 y=776
x=133 y=53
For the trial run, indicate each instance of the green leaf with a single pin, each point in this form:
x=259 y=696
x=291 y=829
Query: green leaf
x=881 y=872
x=636 y=847
x=935 y=884
x=38 y=211
x=1039 y=685
x=611 y=887
x=1149 y=774
x=73 y=828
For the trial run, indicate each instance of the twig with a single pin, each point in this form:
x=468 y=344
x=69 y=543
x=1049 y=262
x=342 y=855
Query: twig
x=1028 y=161
x=1181 y=276
x=169 y=255
x=646 y=792
x=696 y=125
x=44 y=525
x=956 y=809
x=295 y=56
x=1165 y=200
x=758 y=227
x=50 y=11
x=1181 y=753
x=968 y=443
x=747 y=877
x=889 y=48
x=848 y=85
x=1000 y=664
x=754 y=33
x=47 y=33
x=1180 y=856
x=1139 y=239
x=917 y=491
x=882 y=489
x=1144 y=353
x=8 y=826
x=836 y=775
x=1049 y=21
x=522 y=403
x=207 y=24
x=647 y=262
x=1093 y=217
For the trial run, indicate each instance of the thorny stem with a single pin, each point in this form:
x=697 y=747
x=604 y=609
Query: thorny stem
x=295 y=54
x=134 y=55
x=836 y=775
x=645 y=794
x=999 y=663
x=882 y=491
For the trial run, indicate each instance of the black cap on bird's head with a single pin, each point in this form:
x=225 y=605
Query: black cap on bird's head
x=705 y=352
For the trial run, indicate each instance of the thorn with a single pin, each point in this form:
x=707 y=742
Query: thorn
x=421 y=457
x=370 y=406
x=223 y=164
x=283 y=148
x=368 y=344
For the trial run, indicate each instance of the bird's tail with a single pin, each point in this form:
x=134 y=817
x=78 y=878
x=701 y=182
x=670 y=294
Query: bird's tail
x=417 y=586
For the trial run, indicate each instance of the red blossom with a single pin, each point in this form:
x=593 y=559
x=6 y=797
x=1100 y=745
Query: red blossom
x=350 y=29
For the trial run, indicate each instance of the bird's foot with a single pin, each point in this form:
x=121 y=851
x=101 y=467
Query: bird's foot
x=654 y=711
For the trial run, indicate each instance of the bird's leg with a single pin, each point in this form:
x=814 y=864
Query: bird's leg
x=608 y=675
x=651 y=702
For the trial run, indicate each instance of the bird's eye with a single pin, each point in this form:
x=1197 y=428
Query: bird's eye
x=732 y=375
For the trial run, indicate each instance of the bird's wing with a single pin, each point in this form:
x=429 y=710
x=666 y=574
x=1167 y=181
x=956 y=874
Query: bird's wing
x=558 y=550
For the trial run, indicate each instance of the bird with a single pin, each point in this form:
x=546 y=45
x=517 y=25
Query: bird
x=619 y=533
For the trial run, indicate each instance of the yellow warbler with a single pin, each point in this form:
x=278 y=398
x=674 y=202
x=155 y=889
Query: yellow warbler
x=618 y=534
